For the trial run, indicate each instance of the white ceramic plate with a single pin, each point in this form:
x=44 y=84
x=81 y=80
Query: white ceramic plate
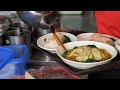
x=81 y=65
x=41 y=42
x=86 y=36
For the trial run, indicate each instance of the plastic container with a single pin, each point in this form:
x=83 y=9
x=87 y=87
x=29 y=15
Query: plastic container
x=7 y=72
x=17 y=65
x=5 y=56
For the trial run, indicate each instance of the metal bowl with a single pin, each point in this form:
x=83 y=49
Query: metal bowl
x=33 y=18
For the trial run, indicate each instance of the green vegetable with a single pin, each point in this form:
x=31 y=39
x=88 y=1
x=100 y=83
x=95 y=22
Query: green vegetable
x=90 y=60
x=75 y=47
x=92 y=46
x=64 y=54
x=66 y=40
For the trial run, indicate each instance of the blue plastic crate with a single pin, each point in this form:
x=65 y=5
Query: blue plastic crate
x=6 y=70
x=22 y=53
x=19 y=60
x=6 y=55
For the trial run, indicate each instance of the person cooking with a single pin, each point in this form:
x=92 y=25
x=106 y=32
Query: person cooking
x=108 y=22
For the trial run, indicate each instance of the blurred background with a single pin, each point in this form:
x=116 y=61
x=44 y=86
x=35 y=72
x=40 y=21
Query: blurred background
x=76 y=20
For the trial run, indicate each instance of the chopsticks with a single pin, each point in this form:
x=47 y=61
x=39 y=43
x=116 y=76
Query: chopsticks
x=57 y=39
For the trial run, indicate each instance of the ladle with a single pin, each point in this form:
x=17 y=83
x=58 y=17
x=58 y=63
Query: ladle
x=40 y=20
x=34 y=18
